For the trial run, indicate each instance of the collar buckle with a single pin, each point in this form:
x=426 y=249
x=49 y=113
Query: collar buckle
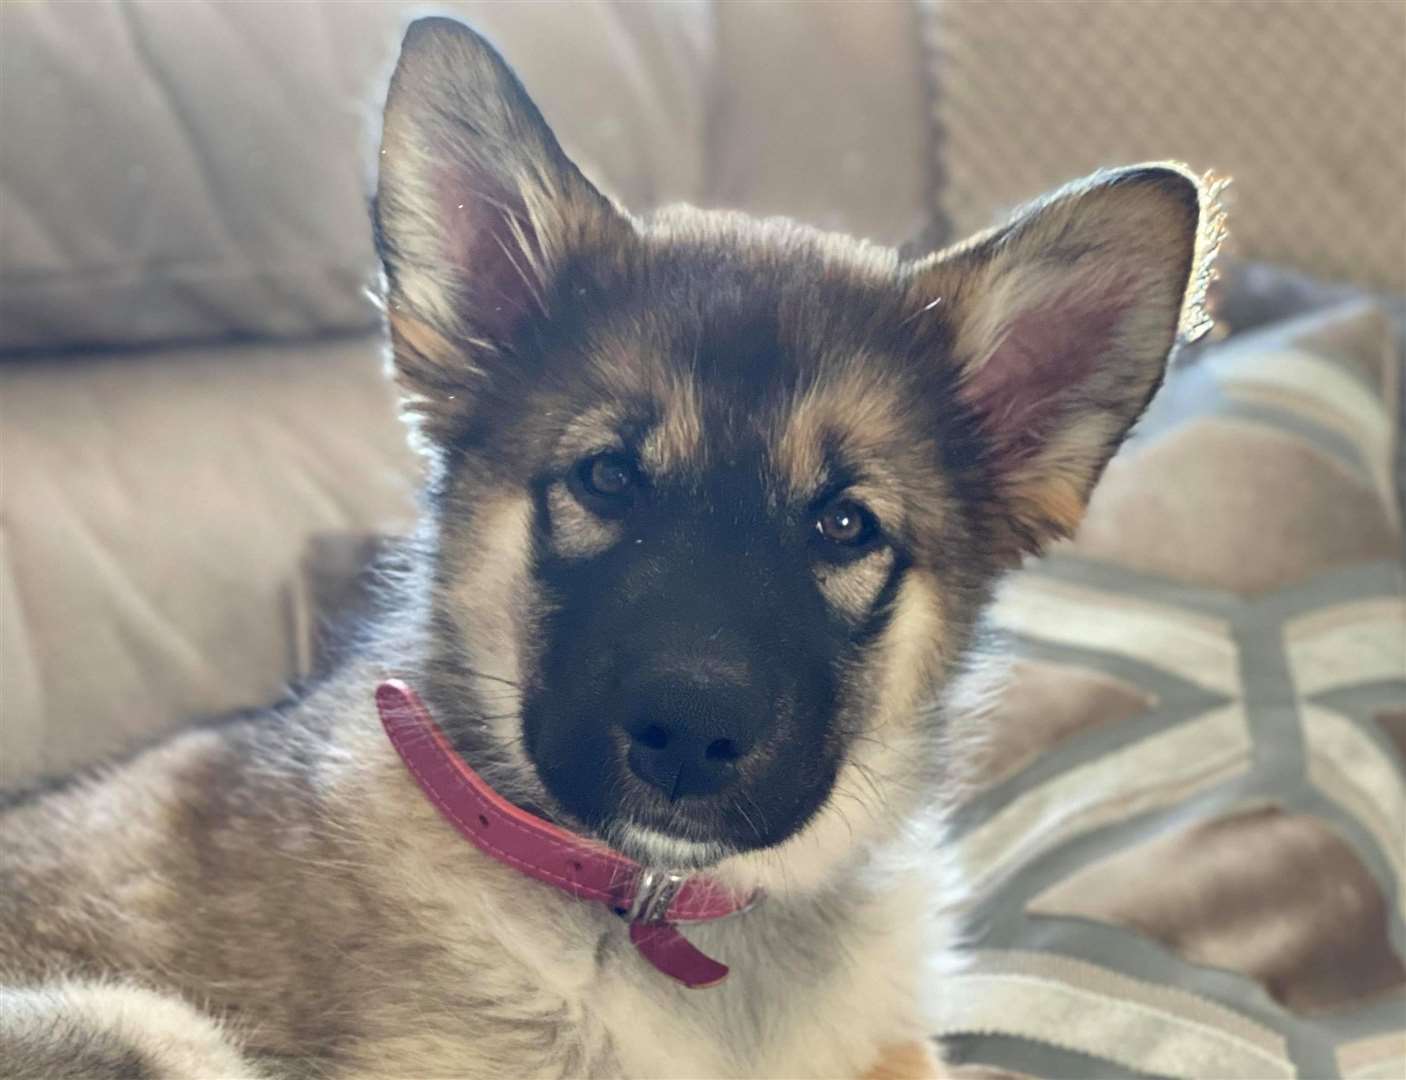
x=653 y=895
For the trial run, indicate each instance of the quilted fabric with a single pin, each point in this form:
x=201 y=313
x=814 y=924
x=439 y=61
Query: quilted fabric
x=196 y=171
x=1300 y=103
x=1187 y=823
x=183 y=172
x=153 y=508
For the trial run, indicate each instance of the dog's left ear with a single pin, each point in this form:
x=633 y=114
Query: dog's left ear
x=1060 y=324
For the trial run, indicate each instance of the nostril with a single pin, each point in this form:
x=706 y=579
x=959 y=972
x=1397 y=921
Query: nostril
x=653 y=736
x=722 y=750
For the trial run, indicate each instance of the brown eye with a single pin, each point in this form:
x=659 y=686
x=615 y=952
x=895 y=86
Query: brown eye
x=845 y=521
x=607 y=476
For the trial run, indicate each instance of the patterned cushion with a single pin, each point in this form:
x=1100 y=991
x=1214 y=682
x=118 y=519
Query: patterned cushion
x=1299 y=102
x=1187 y=821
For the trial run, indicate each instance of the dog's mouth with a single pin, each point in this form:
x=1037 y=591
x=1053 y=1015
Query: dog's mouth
x=688 y=832
x=680 y=771
x=650 y=847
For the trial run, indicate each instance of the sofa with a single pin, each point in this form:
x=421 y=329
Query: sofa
x=199 y=449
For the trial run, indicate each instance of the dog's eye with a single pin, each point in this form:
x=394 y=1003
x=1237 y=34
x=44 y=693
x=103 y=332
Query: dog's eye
x=844 y=521
x=607 y=476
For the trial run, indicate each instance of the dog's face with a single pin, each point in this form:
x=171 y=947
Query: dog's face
x=718 y=502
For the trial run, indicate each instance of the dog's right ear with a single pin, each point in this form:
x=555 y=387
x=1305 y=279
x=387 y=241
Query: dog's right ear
x=477 y=208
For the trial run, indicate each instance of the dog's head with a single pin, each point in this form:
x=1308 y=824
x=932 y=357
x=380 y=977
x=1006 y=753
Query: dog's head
x=717 y=502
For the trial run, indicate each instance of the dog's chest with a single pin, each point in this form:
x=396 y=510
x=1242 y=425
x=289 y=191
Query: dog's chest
x=523 y=980
x=810 y=993
x=822 y=1007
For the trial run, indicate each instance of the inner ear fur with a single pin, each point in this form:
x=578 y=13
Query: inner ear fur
x=1061 y=323
x=477 y=209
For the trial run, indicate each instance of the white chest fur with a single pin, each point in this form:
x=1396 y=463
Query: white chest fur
x=816 y=995
x=817 y=988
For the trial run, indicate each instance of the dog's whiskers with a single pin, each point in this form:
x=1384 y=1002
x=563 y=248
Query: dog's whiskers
x=737 y=805
x=493 y=678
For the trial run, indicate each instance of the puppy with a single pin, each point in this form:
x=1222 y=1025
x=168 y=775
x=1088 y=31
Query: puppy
x=714 y=506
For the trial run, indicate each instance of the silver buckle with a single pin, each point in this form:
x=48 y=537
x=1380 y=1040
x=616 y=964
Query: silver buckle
x=653 y=895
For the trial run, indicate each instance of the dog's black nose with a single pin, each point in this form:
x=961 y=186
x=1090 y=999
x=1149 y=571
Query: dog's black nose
x=688 y=738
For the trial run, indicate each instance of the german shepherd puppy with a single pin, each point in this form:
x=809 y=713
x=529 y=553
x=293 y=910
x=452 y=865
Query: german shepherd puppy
x=714 y=507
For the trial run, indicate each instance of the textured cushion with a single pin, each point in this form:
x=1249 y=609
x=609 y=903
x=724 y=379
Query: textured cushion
x=1299 y=102
x=1187 y=819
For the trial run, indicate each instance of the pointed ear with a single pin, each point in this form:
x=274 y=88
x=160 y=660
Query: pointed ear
x=477 y=207
x=1060 y=325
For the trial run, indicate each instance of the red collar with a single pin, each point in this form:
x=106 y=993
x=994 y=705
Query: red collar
x=652 y=902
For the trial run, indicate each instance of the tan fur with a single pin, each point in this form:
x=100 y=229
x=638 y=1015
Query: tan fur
x=911 y=1061
x=1099 y=239
x=493 y=607
x=417 y=345
x=853 y=587
x=587 y=433
x=671 y=443
x=576 y=532
x=675 y=443
x=855 y=411
x=430 y=370
x=856 y=414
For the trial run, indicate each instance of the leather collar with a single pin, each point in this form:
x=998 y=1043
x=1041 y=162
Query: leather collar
x=653 y=903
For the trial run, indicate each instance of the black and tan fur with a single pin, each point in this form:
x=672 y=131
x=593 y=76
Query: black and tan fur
x=298 y=904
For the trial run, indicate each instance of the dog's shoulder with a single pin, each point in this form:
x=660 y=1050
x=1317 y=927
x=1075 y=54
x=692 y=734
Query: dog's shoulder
x=105 y=871
x=98 y=889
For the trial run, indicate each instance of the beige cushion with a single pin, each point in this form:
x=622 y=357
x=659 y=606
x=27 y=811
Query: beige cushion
x=1301 y=103
x=1186 y=817
x=195 y=170
x=819 y=115
x=200 y=170
x=153 y=509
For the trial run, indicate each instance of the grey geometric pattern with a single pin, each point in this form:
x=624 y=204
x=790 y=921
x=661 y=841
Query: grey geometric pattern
x=1186 y=835
x=1278 y=774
